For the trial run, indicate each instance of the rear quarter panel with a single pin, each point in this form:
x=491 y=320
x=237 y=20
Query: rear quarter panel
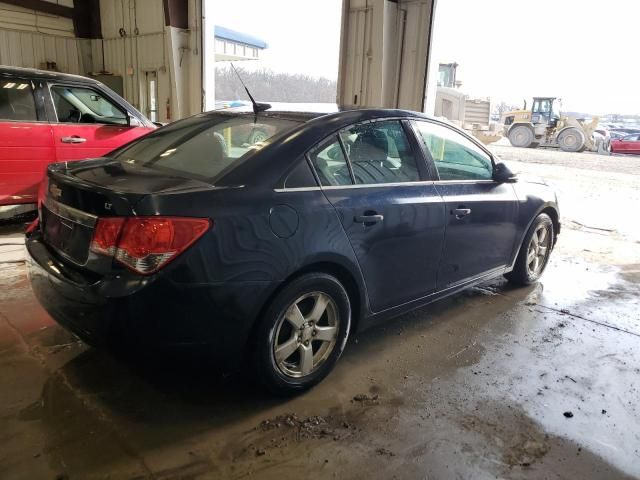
x=258 y=236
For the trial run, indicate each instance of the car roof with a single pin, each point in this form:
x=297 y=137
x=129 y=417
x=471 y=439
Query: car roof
x=7 y=71
x=304 y=112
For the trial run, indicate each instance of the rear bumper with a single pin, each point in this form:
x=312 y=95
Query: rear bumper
x=153 y=311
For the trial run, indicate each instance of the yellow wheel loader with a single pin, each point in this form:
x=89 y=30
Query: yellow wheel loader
x=544 y=126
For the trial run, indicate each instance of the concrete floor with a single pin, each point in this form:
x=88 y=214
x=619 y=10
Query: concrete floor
x=538 y=382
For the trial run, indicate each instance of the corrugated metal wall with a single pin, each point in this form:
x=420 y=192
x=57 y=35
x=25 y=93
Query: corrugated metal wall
x=384 y=52
x=134 y=43
x=31 y=39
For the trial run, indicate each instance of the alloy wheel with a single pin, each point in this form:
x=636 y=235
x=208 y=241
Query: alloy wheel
x=306 y=334
x=538 y=250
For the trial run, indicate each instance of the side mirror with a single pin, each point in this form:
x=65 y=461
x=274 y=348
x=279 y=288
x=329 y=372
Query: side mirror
x=502 y=174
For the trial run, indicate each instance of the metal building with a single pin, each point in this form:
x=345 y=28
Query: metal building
x=160 y=54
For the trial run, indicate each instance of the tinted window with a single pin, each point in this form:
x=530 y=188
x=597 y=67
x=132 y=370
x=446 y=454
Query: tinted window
x=300 y=176
x=379 y=152
x=84 y=105
x=16 y=100
x=330 y=164
x=455 y=157
x=199 y=147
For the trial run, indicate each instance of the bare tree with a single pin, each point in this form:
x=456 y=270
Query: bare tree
x=502 y=107
x=266 y=85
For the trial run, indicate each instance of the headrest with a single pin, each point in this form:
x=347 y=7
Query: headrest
x=370 y=145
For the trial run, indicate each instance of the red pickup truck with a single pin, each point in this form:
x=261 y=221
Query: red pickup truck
x=48 y=117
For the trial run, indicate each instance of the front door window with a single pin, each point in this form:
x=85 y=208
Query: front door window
x=85 y=105
x=455 y=157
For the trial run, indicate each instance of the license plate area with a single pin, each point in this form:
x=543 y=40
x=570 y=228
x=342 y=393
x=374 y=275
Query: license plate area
x=70 y=238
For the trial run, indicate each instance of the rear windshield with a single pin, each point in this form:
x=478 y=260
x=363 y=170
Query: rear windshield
x=202 y=148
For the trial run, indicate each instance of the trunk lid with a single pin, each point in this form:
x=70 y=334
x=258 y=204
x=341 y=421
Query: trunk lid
x=76 y=194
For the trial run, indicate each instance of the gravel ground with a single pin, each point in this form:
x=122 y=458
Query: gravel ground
x=594 y=191
x=585 y=161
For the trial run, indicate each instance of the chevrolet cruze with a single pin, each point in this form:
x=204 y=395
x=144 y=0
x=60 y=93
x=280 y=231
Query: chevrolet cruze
x=275 y=252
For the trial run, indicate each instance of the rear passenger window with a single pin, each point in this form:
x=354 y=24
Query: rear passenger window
x=16 y=100
x=330 y=164
x=379 y=152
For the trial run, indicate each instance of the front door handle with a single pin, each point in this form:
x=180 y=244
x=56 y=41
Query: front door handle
x=73 y=139
x=461 y=212
x=368 y=219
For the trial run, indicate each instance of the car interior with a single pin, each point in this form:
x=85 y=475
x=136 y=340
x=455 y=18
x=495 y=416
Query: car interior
x=378 y=154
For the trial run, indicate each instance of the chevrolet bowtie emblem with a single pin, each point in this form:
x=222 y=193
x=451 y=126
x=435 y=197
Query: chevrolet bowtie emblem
x=55 y=190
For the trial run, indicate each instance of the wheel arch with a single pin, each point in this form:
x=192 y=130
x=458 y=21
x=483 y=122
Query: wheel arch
x=553 y=213
x=551 y=209
x=350 y=280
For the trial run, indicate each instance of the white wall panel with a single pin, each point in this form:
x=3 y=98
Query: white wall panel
x=150 y=16
x=23 y=19
x=168 y=51
x=30 y=39
x=32 y=50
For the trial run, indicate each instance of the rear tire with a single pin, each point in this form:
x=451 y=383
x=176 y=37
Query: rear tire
x=571 y=140
x=534 y=253
x=521 y=136
x=308 y=321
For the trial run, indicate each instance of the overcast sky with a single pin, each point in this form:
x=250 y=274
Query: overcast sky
x=580 y=50
x=303 y=35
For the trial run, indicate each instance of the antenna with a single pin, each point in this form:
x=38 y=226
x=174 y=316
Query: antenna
x=257 y=107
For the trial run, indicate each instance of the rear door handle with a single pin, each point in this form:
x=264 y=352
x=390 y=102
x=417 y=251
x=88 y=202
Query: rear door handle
x=73 y=139
x=368 y=219
x=461 y=212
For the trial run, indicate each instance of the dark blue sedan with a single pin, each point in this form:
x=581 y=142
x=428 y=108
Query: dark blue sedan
x=278 y=250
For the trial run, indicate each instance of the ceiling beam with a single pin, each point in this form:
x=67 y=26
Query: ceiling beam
x=176 y=13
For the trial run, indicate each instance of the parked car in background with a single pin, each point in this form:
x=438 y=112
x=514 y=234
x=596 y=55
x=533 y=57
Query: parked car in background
x=627 y=144
x=614 y=134
x=50 y=117
x=272 y=254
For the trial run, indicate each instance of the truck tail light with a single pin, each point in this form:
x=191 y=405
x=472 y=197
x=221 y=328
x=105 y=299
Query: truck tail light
x=146 y=244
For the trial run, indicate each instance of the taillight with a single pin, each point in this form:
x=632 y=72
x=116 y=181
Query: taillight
x=105 y=235
x=146 y=244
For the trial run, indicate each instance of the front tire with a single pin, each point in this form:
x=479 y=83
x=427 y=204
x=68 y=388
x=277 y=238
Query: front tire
x=521 y=136
x=571 y=140
x=302 y=334
x=534 y=252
